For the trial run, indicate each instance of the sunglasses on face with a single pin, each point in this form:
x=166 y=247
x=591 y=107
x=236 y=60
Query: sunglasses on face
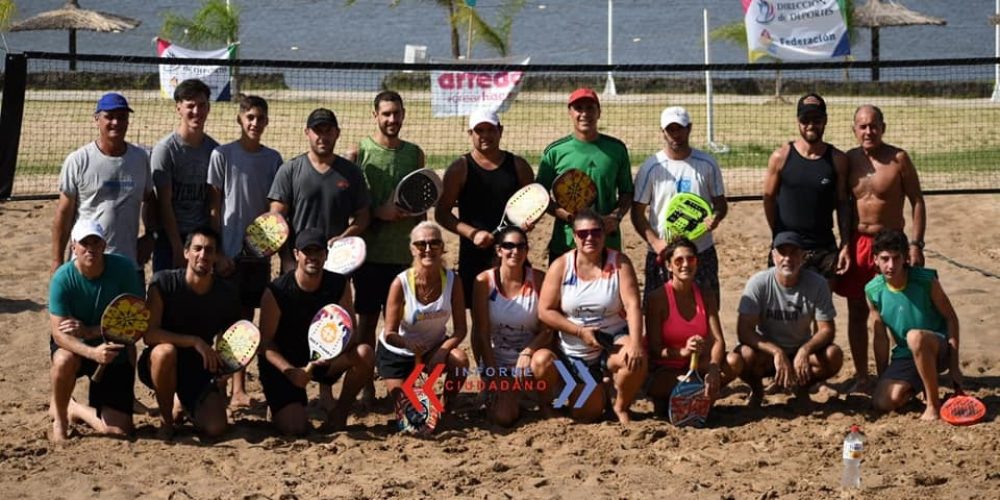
x=510 y=245
x=428 y=244
x=681 y=259
x=583 y=234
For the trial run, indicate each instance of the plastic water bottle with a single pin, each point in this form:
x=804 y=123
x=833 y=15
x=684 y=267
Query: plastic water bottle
x=854 y=449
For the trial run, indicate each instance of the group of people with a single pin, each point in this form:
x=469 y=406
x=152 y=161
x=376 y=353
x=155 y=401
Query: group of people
x=196 y=198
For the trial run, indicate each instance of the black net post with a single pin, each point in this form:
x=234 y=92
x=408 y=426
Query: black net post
x=11 y=114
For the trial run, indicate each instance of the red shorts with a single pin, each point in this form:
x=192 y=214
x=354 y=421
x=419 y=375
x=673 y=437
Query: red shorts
x=852 y=283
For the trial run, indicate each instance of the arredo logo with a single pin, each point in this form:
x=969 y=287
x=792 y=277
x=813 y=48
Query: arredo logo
x=499 y=379
x=765 y=11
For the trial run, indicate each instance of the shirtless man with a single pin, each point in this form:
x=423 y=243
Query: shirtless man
x=881 y=176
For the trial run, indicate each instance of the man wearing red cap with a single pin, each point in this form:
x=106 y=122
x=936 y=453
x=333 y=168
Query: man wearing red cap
x=602 y=157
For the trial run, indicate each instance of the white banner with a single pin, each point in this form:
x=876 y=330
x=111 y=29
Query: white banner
x=216 y=77
x=795 y=30
x=457 y=93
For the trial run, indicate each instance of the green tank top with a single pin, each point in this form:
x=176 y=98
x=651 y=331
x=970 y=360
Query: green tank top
x=907 y=309
x=388 y=242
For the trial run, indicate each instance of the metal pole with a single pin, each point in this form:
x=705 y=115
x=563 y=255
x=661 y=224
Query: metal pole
x=996 y=53
x=708 y=82
x=609 y=87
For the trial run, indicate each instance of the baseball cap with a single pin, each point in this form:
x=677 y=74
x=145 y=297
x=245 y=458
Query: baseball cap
x=310 y=237
x=583 y=93
x=483 y=116
x=86 y=227
x=809 y=103
x=320 y=116
x=787 y=238
x=674 y=114
x=111 y=102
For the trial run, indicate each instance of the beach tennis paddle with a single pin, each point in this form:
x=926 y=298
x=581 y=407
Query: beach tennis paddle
x=329 y=334
x=124 y=321
x=418 y=191
x=345 y=255
x=685 y=217
x=689 y=405
x=574 y=190
x=961 y=409
x=237 y=346
x=420 y=420
x=266 y=234
x=525 y=206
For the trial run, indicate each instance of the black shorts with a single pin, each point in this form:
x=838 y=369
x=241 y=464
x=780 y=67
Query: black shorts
x=470 y=264
x=281 y=392
x=116 y=390
x=707 y=275
x=905 y=369
x=194 y=382
x=251 y=278
x=371 y=285
x=396 y=366
x=596 y=367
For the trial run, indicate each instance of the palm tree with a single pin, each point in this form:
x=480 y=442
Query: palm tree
x=460 y=15
x=216 y=23
x=7 y=12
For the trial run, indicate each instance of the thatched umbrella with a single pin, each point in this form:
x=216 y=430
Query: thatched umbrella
x=71 y=17
x=878 y=14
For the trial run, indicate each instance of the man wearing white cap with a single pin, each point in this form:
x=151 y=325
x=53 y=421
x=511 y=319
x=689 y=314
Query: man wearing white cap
x=678 y=168
x=78 y=294
x=479 y=183
x=107 y=180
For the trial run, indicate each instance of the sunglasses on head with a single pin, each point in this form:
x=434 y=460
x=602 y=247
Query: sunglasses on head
x=510 y=245
x=434 y=244
x=589 y=233
x=681 y=259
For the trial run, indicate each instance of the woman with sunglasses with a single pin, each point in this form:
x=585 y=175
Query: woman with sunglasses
x=591 y=296
x=680 y=323
x=505 y=322
x=421 y=301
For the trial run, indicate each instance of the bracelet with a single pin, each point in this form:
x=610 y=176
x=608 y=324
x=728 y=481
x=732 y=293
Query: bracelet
x=917 y=243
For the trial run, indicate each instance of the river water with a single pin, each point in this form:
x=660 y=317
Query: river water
x=550 y=31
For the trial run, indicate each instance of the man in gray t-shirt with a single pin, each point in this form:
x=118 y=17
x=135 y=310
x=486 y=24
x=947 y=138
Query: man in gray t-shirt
x=180 y=174
x=108 y=181
x=775 y=326
x=320 y=189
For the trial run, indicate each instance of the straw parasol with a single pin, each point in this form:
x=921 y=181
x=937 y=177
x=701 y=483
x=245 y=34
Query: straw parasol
x=71 y=17
x=880 y=14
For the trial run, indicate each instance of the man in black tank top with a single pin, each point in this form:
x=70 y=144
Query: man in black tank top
x=188 y=308
x=480 y=183
x=287 y=308
x=806 y=183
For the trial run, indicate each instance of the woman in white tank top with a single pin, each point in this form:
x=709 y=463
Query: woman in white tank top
x=505 y=324
x=421 y=301
x=591 y=297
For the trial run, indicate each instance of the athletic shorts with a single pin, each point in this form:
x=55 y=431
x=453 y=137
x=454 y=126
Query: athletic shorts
x=470 y=265
x=706 y=276
x=905 y=369
x=371 y=285
x=281 y=392
x=251 y=278
x=862 y=270
x=820 y=260
x=598 y=366
x=769 y=370
x=116 y=390
x=397 y=366
x=193 y=381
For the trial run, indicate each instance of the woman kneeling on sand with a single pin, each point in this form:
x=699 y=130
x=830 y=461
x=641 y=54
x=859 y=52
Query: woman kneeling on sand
x=591 y=296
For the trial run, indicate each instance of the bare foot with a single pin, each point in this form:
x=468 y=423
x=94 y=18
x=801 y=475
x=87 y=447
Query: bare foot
x=756 y=399
x=165 y=432
x=59 y=432
x=240 y=400
x=623 y=416
x=931 y=413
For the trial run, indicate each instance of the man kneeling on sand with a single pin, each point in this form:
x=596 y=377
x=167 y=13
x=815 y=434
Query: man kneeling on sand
x=909 y=303
x=775 y=324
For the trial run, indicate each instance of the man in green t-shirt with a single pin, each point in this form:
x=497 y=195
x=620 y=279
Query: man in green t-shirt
x=79 y=292
x=909 y=304
x=385 y=159
x=602 y=157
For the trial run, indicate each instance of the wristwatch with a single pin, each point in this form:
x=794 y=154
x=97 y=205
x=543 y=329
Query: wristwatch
x=917 y=243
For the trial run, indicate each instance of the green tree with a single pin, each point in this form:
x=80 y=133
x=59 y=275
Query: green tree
x=461 y=17
x=7 y=12
x=214 y=24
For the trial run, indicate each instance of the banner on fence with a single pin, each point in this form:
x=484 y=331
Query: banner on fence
x=216 y=77
x=458 y=93
x=796 y=30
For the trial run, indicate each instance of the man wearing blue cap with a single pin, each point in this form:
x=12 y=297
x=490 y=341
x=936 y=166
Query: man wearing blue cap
x=106 y=180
